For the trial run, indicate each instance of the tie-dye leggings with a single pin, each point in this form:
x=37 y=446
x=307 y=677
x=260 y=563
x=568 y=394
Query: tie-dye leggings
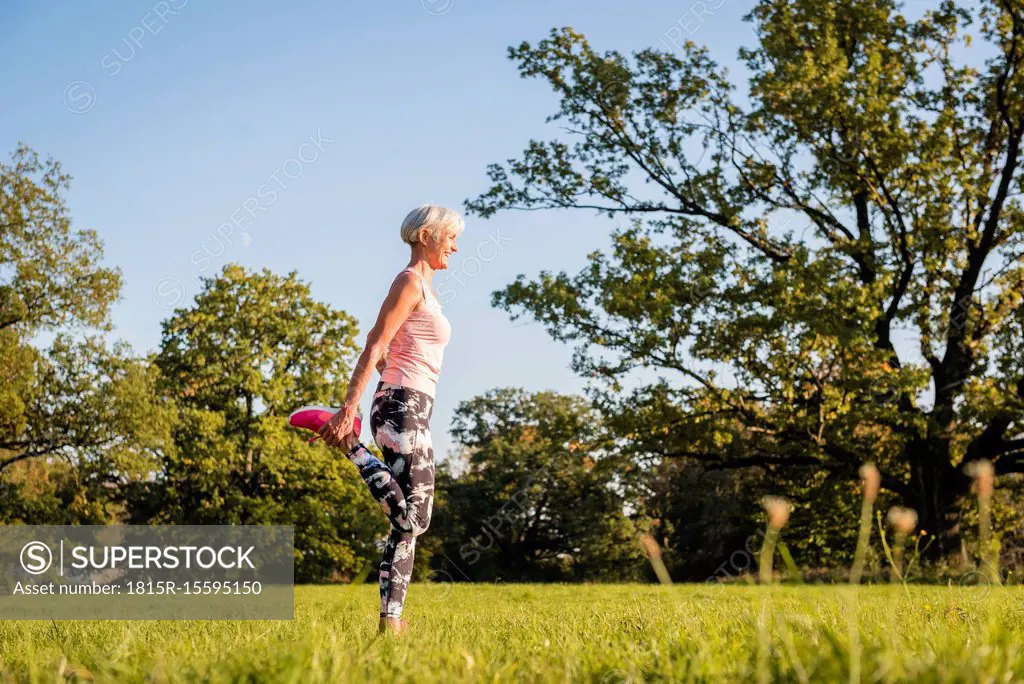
x=403 y=484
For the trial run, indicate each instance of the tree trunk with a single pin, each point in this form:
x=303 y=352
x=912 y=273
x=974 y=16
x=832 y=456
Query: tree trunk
x=936 y=487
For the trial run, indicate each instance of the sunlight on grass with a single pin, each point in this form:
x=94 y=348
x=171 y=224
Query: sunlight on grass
x=595 y=633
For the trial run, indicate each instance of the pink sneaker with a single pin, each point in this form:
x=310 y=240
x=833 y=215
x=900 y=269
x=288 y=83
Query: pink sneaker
x=313 y=418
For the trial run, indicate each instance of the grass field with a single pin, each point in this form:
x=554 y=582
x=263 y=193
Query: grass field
x=590 y=633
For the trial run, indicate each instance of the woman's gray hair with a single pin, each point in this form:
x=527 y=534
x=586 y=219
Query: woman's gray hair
x=433 y=217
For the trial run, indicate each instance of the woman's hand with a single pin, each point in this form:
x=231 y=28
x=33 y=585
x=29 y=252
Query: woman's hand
x=337 y=432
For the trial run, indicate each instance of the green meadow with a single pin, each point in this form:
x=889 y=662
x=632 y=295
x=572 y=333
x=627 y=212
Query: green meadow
x=558 y=633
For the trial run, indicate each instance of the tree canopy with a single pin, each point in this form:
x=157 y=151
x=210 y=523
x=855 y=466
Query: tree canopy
x=889 y=328
x=540 y=498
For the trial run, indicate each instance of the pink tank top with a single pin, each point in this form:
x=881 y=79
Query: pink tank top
x=415 y=352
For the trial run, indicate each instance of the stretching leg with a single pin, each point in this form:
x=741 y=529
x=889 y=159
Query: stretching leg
x=408 y=514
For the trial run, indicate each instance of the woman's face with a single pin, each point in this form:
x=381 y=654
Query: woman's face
x=440 y=250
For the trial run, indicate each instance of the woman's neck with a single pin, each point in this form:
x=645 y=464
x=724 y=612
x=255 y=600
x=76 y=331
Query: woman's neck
x=422 y=267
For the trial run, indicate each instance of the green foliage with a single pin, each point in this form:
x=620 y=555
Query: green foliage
x=94 y=413
x=254 y=347
x=539 y=496
x=822 y=529
x=867 y=191
x=51 y=276
x=43 y=491
x=707 y=522
x=88 y=408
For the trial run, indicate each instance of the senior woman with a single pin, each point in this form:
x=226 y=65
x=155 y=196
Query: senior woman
x=406 y=345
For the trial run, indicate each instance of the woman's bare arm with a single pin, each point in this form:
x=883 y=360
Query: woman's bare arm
x=401 y=300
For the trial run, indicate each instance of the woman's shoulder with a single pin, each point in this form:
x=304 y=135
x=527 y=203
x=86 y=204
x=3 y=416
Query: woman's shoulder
x=407 y=275
x=408 y=280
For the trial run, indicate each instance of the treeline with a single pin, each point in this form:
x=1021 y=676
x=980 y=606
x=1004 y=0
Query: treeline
x=543 y=488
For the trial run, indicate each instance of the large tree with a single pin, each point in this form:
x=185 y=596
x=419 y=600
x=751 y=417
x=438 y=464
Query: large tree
x=77 y=400
x=824 y=271
x=253 y=347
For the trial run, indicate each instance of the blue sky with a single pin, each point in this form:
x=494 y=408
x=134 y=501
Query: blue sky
x=171 y=115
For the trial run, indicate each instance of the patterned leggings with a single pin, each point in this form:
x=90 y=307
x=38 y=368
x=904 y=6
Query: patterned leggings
x=403 y=483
